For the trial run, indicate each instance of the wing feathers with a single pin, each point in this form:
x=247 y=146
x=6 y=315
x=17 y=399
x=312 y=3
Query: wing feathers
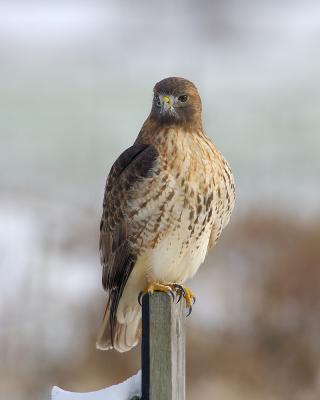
x=117 y=253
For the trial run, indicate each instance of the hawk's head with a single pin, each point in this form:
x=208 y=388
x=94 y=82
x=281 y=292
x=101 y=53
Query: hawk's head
x=176 y=100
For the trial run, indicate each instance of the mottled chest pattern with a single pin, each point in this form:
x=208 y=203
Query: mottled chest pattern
x=191 y=191
x=199 y=170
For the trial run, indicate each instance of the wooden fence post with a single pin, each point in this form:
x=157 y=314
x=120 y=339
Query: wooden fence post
x=163 y=348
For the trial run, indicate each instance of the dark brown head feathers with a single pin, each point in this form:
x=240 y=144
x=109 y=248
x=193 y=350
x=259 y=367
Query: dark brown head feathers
x=176 y=102
x=175 y=86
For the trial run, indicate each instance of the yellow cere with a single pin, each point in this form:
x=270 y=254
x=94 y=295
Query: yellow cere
x=166 y=99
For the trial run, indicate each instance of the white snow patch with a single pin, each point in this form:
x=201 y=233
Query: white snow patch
x=123 y=391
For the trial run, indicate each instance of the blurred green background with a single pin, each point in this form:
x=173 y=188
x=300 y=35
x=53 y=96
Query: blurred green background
x=76 y=81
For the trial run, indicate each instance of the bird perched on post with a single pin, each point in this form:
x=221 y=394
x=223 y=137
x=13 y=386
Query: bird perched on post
x=166 y=201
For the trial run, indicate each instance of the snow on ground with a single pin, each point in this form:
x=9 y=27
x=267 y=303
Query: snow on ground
x=123 y=391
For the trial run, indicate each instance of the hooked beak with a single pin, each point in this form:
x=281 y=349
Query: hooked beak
x=166 y=103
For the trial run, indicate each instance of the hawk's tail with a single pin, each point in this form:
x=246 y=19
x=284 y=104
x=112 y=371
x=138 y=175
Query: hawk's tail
x=125 y=335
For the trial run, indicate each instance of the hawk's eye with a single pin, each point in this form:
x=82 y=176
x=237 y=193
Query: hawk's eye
x=183 y=98
x=157 y=100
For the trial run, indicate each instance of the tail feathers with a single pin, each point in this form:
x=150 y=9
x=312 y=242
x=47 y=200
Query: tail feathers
x=126 y=335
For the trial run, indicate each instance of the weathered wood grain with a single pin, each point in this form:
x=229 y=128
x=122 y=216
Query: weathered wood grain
x=163 y=348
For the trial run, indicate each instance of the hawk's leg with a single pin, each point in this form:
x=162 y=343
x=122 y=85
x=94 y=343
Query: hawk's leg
x=171 y=288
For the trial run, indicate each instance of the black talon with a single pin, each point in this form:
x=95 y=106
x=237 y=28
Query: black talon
x=190 y=311
x=194 y=300
x=172 y=294
x=140 y=297
x=179 y=296
x=180 y=287
x=180 y=290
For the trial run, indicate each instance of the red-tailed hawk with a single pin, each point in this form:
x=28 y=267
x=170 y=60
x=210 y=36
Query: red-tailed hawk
x=166 y=201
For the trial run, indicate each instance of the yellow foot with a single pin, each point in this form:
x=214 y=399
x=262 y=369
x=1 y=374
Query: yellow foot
x=157 y=287
x=171 y=288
